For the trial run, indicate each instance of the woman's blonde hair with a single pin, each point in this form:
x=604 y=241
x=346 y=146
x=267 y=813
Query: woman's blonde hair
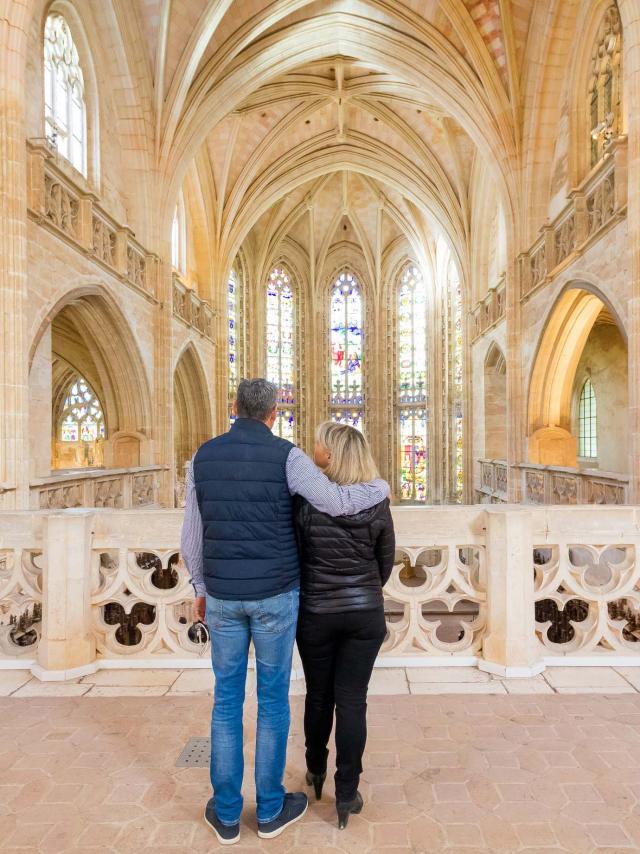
x=351 y=460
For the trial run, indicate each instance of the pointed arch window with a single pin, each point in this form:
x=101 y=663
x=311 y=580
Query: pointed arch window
x=347 y=379
x=65 y=111
x=179 y=238
x=281 y=355
x=456 y=349
x=234 y=315
x=82 y=419
x=412 y=385
x=605 y=84
x=588 y=422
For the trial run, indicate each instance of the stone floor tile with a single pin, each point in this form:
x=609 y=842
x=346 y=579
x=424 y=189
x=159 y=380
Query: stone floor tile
x=447 y=674
x=502 y=773
x=535 y=685
x=493 y=687
x=35 y=688
x=584 y=677
x=11 y=680
x=631 y=674
x=589 y=689
x=388 y=680
x=127 y=690
x=133 y=676
x=611 y=835
x=198 y=681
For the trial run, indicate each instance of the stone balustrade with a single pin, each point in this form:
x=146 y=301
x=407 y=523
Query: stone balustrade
x=71 y=211
x=597 y=203
x=510 y=588
x=119 y=489
x=551 y=485
x=490 y=310
x=192 y=310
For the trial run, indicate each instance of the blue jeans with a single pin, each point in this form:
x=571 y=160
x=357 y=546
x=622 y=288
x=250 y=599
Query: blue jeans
x=271 y=624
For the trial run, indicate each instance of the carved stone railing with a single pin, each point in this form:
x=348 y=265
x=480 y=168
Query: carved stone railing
x=510 y=588
x=586 y=564
x=507 y=587
x=192 y=310
x=73 y=212
x=490 y=310
x=119 y=489
x=558 y=485
x=598 y=202
x=493 y=482
x=551 y=485
x=21 y=564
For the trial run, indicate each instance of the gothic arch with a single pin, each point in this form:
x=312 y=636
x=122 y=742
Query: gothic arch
x=551 y=386
x=495 y=403
x=86 y=322
x=192 y=407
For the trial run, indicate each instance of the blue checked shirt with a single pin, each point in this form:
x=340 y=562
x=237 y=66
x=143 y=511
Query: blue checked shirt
x=303 y=478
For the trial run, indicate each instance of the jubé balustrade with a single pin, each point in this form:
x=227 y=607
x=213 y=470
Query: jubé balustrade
x=510 y=588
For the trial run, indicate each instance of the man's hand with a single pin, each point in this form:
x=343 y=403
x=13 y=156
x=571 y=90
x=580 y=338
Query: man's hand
x=200 y=607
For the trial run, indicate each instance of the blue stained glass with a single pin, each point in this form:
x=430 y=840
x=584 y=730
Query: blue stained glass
x=346 y=346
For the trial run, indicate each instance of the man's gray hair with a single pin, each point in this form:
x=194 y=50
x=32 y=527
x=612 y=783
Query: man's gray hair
x=256 y=399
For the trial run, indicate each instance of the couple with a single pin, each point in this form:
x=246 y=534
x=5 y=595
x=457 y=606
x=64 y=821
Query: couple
x=267 y=534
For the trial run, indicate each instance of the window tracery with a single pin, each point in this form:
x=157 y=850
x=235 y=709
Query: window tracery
x=604 y=93
x=281 y=355
x=347 y=392
x=412 y=385
x=64 y=100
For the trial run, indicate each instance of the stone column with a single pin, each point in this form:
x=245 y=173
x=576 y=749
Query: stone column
x=630 y=15
x=67 y=645
x=509 y=647
x=14 y=345
x=163 y=380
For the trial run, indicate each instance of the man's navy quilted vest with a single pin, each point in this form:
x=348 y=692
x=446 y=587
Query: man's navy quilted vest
x=250 y=549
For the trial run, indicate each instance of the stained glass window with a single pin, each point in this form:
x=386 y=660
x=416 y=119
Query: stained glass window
x=412 y=386
x=281 y=349
x=588 y=422
x=457 y=379
x=65 y=112
x=82 y=419
x=233 y=306
x=347 y=397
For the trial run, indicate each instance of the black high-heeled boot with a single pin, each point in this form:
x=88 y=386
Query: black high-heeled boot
x=317 y=781
x=347 y=808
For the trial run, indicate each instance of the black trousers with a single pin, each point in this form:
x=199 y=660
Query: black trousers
x=338 y=652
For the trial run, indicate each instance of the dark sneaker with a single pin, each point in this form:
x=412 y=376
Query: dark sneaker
x=294 y=807
x=228 y=834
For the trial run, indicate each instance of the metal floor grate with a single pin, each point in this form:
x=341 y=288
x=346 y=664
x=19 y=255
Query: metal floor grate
x=195 y=753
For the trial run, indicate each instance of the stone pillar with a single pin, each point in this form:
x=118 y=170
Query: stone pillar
x=163 y=382
x=509 y=647
x=516 y=400
x=14 y=346
x=630 y=15
x=40 y=402
x=67 y=645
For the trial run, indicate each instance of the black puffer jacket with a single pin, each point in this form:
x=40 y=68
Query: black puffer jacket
x=345 y=560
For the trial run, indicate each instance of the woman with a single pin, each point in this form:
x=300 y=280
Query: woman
x=346 y=561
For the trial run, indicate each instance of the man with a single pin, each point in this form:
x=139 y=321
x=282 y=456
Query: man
x=239 y=545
